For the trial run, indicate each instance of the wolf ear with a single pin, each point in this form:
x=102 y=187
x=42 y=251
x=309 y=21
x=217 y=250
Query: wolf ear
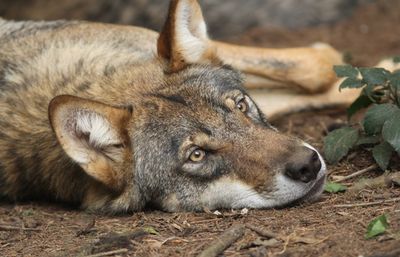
x=183 y=39
x=92 y=134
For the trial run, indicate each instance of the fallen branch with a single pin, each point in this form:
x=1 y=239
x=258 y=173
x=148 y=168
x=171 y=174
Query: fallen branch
x=366 y=204
x=357 y=173
x=263 y=232
x=12 y=228
x=223 y=241
x=123 y=250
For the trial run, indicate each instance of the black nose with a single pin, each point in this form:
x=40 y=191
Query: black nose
x=303 y=165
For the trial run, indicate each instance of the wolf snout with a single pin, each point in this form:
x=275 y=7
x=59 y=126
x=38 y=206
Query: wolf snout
x=304 y=165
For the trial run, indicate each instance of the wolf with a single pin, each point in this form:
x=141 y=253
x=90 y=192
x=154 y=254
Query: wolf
x=115 y=118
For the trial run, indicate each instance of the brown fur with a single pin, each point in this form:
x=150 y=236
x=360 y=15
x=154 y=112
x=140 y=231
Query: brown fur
x=104 y=116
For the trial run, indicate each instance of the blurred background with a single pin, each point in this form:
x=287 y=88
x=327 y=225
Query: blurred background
x=365 y=30
x=224 y=17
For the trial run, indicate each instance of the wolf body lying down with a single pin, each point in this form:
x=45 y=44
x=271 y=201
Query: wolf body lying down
x=113 y=118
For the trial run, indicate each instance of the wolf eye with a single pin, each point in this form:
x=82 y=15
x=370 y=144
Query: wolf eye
x=242 y=105
x=197 y=155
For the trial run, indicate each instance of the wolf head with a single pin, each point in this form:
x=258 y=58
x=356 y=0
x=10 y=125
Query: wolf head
x=197 y=140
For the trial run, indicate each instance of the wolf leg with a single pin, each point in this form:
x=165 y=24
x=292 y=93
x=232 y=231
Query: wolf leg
x=278 y=102
x=307 y=69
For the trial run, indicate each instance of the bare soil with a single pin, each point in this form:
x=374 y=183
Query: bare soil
x=318 y=229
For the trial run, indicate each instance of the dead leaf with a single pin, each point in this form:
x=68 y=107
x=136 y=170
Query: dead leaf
x=307 y=240
x=150 y=230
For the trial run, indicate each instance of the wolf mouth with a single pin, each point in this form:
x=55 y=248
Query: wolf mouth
x=315 y=191
x=311 y=196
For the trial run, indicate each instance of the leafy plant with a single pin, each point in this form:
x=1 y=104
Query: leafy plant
x=377 y=226
x=380 y=127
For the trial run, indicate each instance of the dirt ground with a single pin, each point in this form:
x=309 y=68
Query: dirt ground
x=324 y=228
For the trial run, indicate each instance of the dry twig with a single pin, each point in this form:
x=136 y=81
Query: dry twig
x=123 y=250
x=357 y=173
x=223 y=241
x=5 y=245
x=11 y=228
x=263 y=232
x=366 y=204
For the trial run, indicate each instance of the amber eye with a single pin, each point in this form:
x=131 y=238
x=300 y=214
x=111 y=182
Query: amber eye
x=242 y=105
x=197 y=155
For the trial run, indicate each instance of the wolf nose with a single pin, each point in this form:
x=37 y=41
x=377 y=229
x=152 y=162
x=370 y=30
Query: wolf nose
x=304 y=166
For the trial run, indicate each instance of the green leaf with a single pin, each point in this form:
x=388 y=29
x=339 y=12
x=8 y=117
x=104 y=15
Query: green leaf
x=351 y=83
x=377 y=226
x=374 y=76
x=361 y=102
x=382 y=154
x=368 y=140
x=338 y=143
x=332 y=187
x=345 y=71
x=391 y=131
x=396 y=59
x=150 y=230
x=376 y=116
